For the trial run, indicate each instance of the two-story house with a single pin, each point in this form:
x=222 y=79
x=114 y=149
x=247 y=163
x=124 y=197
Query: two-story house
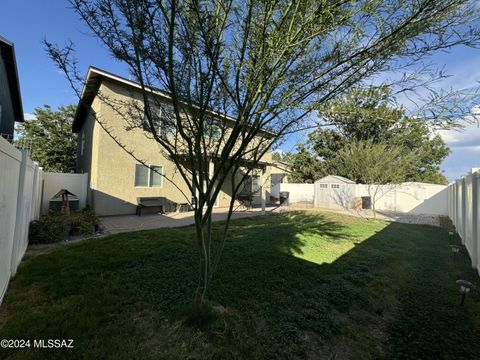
x=117 y=180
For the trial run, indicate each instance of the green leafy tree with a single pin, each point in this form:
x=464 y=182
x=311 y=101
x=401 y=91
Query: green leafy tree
x=50 y=139
x=367 y=114
x=266 y=63
x=306 y=169
x=380 y=166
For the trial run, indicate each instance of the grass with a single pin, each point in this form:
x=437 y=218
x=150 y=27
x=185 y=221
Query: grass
x=303 y=285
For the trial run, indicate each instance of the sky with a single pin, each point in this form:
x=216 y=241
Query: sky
x=27 y=22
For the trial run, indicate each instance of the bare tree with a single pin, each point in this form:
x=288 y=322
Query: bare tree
x=242 y=74
x=382 y=167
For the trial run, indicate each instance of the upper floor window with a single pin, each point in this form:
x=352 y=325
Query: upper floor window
x=148 y=176
x=335 y=186
x=213 y=129
x=323 y=186
x=163 y=119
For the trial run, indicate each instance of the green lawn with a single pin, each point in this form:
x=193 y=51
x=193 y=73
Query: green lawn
x=298 y=285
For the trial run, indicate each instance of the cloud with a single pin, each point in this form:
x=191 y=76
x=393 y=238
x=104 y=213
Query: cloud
x=465 y=146
x=29 y=116
x=467 y=137
x=474 y=148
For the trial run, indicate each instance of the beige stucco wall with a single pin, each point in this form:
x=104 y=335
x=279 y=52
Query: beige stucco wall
x=112 y=169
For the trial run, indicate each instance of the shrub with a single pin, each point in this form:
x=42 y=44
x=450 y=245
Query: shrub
x=54 y=227
x=51 y=227
x=83 y=222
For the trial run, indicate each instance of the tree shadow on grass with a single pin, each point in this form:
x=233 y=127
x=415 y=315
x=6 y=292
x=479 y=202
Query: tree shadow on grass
x=296 y=285
x=392 y=295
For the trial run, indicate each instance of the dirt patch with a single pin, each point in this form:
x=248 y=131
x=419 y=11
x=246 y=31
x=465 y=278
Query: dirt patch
x=363 y=335
x=445 y=222
x=40 y=249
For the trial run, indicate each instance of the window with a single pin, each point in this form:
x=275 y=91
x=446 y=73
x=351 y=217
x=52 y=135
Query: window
x=213 y=129
x=155 y=176
x=335 y=186
x=323 y=186
x=163 y=119
x=156 y=113
x=256 y=185
x=253 y=184
x=148 y=177
x=141 y=175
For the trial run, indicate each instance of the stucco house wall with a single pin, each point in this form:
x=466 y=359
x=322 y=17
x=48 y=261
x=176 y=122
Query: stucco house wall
x=112 y=169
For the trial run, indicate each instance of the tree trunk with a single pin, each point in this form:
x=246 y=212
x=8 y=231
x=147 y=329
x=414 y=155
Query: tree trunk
x=203 y=232
x=199 y=300
x=202 y=286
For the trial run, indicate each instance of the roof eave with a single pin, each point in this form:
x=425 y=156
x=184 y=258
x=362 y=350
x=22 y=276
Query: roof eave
x=12 y=76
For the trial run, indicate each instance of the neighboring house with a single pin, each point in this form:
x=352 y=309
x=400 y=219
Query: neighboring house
x=10 y=100
x=116 y=179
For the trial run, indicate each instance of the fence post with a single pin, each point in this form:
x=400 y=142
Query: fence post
x=474 y=220
x=457 y=190
x=464 y=208
x=18 y=216
x=457 y=211
x=459 y=207
x=36 y=174
x=450 y=201
x=454 y=203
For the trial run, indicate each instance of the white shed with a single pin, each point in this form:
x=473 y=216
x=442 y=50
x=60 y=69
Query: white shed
x=334 y=192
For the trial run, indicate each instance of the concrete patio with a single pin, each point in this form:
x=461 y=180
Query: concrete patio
x=126 y=223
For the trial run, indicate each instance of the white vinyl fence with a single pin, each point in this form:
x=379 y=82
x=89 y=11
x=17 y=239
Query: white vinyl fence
x=297 y=192
x=75 y=183
x=20 y=191
x=411 y=197
x=463 y=206
x=25 y=192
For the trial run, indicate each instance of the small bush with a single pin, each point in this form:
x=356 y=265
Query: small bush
x=83 y=222
x=51 y=227
x=54 y=227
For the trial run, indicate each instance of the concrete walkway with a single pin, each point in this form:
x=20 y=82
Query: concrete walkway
x=126 y=223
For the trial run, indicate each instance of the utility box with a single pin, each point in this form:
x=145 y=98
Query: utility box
x=366 y=202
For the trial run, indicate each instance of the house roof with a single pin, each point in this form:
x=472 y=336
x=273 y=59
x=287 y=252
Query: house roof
x=282 y=166
x=335 y=178
x=92 y=84
x=245 y=162
x=7 y=52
